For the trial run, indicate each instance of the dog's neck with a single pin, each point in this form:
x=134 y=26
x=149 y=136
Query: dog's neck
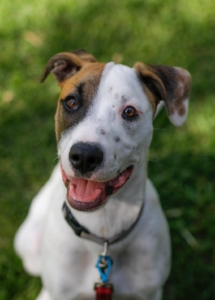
x=122 y=208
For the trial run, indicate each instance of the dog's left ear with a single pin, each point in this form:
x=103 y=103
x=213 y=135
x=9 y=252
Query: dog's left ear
x=170 y=84
x=65 y=64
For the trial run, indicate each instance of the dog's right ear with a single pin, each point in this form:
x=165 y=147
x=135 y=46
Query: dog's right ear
x=66 y=64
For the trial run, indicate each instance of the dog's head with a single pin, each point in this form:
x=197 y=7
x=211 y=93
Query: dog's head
x=104 y=120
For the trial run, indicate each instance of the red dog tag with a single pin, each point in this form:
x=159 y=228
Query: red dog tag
x=103 y=291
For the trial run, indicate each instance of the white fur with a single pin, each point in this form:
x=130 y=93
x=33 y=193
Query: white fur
x=65 y=262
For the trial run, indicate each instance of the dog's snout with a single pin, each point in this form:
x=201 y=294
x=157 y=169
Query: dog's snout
x=85 y=157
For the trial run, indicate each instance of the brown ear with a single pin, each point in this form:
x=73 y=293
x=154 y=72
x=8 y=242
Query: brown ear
x=65 y=64
x=84 y=55
x=170 y=84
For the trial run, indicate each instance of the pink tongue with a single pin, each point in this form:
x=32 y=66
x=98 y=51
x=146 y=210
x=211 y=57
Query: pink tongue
x=83 y=190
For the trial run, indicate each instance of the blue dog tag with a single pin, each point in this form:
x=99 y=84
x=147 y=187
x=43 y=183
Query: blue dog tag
x=104 y=264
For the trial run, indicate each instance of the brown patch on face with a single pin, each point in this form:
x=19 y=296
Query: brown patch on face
x=83 y=87
x=151 y=98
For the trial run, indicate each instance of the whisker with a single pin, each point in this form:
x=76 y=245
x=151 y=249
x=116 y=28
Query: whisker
x=160 y=129
x=56 y=157
x=154 y=161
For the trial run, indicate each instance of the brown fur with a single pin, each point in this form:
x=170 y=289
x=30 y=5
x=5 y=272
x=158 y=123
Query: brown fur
x=89 y=76
x=75 y=71
x=165 y=83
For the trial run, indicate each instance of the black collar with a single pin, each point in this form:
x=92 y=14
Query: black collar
x=83 y=232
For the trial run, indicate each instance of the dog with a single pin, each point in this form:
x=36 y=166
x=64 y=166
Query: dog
x=104 y=126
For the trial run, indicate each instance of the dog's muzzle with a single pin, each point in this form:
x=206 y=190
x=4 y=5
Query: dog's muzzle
x=84 y=194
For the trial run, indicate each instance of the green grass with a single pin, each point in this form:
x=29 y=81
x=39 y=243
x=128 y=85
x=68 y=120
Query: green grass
x=182 y=160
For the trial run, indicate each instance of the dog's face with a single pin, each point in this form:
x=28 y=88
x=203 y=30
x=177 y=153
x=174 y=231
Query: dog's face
x=104 y=121
x=108 y=128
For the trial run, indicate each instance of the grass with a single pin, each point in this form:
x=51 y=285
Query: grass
x=182 y=160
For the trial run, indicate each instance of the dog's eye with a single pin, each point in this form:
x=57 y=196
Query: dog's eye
x=71 y=103
x=129 y=113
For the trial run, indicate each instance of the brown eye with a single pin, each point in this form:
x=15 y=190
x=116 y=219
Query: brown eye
x=71 y=104
x=129 y=113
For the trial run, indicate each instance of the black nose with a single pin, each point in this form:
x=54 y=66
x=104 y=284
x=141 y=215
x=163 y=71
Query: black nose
x=85 y=157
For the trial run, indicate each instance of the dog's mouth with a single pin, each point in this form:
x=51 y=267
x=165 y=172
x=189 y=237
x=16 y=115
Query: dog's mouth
x=88 y=195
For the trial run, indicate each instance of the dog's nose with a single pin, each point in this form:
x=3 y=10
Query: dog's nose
x=85 y=157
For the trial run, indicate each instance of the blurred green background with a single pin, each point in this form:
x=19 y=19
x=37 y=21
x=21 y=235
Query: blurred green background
x=182 y=160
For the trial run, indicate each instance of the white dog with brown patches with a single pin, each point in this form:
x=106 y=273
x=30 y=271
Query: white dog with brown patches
x=104 y=128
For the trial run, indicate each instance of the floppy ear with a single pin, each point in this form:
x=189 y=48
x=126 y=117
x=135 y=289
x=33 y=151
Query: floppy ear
x=170 y=84
x=66 y=64
x=84 y=55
